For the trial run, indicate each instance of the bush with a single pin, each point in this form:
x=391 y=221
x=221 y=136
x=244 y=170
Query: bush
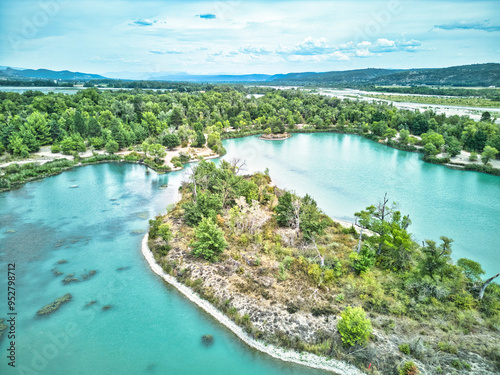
x=210 y=240
x=409 y=368
x=354 y=327
x=112 y=146
x=55 y=149
x=404 y=348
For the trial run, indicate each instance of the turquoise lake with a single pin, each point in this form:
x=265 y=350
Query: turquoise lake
x=150 y=328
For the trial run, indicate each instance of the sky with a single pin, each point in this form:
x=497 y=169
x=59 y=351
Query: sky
x=245 y=37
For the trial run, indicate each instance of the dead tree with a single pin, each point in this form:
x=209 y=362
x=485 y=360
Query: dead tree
x=485 y=284
x=321 y=258
x=381 y=214
x=238 y=165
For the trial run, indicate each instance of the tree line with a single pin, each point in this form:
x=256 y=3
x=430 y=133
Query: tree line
x=94 y=118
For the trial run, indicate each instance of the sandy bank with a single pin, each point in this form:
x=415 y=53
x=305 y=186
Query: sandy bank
x=305 y=359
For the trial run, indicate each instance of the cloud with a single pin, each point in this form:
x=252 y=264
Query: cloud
x=144 y=22
x=167 y=52
x=311 y=49
x=207 y=16
x=363 y=53
x=309 y=46
x=468 y=25
x=384 y=45
x=254 y=50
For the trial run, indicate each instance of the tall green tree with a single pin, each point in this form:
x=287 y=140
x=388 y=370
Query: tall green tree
x=41 y=128
x=210 y=241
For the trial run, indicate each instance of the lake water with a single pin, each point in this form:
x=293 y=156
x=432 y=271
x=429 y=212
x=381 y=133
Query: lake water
x=92 y=217
x=150 y=328
x=346 y=173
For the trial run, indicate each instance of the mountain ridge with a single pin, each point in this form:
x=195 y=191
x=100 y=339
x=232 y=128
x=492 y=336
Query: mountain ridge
x=487 y=74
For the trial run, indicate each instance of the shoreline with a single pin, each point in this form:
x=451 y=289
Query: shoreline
x=304 y=359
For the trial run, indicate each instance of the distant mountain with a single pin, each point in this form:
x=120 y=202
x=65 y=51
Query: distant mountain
x=337 y=77
x=465 y=75
x=64 y=75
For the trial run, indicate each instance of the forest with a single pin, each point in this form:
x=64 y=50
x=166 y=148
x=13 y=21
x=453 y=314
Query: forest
x=94 y=119
x=241 y=243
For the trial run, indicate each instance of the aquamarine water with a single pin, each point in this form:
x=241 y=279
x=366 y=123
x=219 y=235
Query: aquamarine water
x=150 y=328
x=346 y=173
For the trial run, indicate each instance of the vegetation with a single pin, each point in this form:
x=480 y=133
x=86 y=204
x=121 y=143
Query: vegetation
x=354 y=327
x=3 y=328
x=282 y=248
x=458 y=101
x=53 y=306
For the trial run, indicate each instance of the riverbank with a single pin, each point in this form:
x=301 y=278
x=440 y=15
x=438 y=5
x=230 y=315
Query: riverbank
x=306 y=359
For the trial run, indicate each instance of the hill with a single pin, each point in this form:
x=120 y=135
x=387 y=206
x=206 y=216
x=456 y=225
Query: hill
x=465 y=75
x=64 y=75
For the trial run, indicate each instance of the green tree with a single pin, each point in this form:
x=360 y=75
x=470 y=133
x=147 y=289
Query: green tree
x=200 y=139
x=79 y=124
x=285 y=210
x=210 y=241
x=176 y=118
x=435 y=258
x=94 y=129
x=157 y=151
x=488 y=154
x=354 y=327
x=472 y=269
x=17 y=147
x=40 y=127
x=205 y=205
x=434 y=138
x=453 y=146
x=430 y=150
x=403 y=136
x=171 y=141
x=112 y=146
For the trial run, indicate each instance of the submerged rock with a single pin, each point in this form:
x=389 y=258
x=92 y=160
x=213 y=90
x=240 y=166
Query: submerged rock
x=142 y=215
x=53 y=306
x=207 y=339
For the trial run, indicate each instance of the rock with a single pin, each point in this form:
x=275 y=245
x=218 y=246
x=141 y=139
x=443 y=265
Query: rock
x=266 y=282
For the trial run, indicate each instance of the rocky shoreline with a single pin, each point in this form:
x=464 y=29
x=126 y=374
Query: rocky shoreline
x=306 y=359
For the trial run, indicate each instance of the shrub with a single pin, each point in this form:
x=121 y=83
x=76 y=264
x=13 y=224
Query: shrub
x=404 y=348
x=447 y=347
x=165 y=232
x=55 y=149
x=112 y=146
x=354 y=327
x=409 y=368
x=210 y=240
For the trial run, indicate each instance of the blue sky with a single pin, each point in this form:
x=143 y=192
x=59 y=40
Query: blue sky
x=239 y=37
